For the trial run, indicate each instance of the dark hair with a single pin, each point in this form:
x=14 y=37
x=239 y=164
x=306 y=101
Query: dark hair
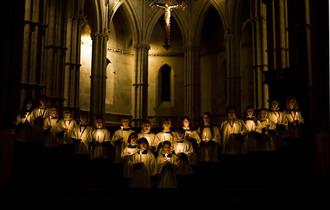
x=143 y=140
x=201 y=127
x=166 y=142
x=133 y=134
x=287 y=107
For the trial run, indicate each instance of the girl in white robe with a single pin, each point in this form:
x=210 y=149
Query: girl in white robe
x=120 y=138
x=167 y=163
x=210 y=140
x=143 y=166
x=233 y=132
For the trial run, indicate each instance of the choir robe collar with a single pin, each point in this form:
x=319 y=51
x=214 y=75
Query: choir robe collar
x=125 y=129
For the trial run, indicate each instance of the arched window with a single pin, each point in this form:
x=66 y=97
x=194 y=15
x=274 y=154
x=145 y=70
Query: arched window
x=165 y=83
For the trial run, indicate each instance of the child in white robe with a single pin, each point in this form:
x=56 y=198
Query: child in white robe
x=294 y=119
x=233 y=132
x=100 y=135
x=279 y=123
x=120 y=138
x=165 y=135
x=251 y=123
x=146 y=133
x=183 y=149
x=265 y=142
x=167 y=163
x=210 y=140
x=23 y=130
x=143 y=166
x=51 y=128
x=193 y=137
x=128 y=152
x=82 y=136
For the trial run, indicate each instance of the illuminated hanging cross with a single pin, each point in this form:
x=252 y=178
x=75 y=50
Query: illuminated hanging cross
x=168 y=5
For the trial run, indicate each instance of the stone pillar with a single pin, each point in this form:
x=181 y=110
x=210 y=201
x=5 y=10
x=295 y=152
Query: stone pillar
x=233 y=70
x=283 y=46
x=140 y=84
x=74 y=24
x=260 y=60
x=191 y=83
x=98 y=76
x=54 y=52
x=32 y=44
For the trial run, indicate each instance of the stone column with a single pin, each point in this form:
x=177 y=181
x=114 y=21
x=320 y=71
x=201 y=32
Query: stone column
x=283 y=45
x=191 y=83
x=233 y=71
x=31 y=53
x=54 y=52
x=72 y=61
x=98 y=76
x=140 y=84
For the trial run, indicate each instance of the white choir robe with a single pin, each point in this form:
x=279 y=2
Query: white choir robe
x=193 y=135
x=51 y=128
x=265 y=142
x=183 y=146
x=143 y=167
x=295 y=120
x=99 y=136
x=120 y=140
x=83 y=133
x=166 y=170
x=232 y=138
x=251 y=126
x=150 y=137
x=38 y=117
x=208 y=151
x=277 y=120
x=23 y=131
x=127 y=155
x=66 y=126
x=163 y=136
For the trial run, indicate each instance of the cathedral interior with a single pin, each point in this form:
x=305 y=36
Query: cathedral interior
x=162 y=60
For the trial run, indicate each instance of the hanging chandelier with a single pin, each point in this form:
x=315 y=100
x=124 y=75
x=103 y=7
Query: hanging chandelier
x=167 y=6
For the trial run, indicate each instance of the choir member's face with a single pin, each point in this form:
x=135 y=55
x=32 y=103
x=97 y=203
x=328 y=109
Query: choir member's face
x=249 y=112
x=231 y=115
x=99 y=123
x=186 y=123
x=180 y=135
x=275 y=105
x=167 y=148
x=133 y=140
x=166 y=125
x=292 y=104
x=67 y=115
x=83 y=119
x=146 y=127
x=206 y=119
x=53 y=113
x=125 y=123
x=143 y=145
x=263 y=114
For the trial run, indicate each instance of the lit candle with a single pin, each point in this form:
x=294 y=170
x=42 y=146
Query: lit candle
x=296 y=116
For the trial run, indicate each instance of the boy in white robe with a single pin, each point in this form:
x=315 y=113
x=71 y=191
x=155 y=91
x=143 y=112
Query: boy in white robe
x=294 y=119
x=279 y=123
x=193 y=137
x=38 y=117
x=165 y=135
x=167 y=163
x=51 y=128
x=265 y=142
x=82 y=136
x=143 y=166
x=233 y=132
x=23 y=131
x=146 y=133
x=251 y=123
x=120 y=138
x=210 y=140
x=100 y=135
x=128 y=152
x=183 y=149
